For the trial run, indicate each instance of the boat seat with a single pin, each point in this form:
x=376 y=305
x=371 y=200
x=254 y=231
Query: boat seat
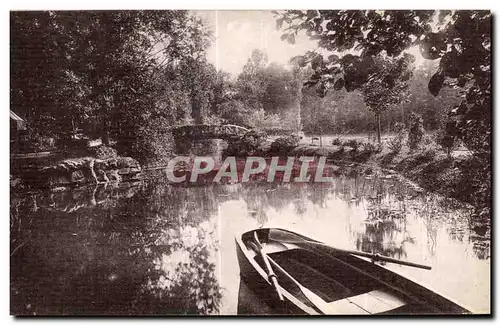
x=373 y=302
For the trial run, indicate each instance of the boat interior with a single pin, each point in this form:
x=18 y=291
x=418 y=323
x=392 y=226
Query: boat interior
x=344 y=288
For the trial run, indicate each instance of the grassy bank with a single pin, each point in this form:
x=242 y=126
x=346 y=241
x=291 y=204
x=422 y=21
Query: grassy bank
x=461 y=176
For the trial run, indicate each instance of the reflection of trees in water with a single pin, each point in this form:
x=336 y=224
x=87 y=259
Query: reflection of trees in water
x=390 y=199
x=260 y=197
x=114 y=259
x=151 y=248
x=184 y=249
x=184 y=269
x=436 y=211
x=385 y=232
x=385 y=222
x=482 y=249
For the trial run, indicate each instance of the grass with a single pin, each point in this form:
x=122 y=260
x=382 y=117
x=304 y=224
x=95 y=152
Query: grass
x=460 y=176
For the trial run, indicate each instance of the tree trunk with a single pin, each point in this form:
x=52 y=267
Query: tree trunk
x=196 y=109
x=377 y=116
x=106 y=107
x=320 y=137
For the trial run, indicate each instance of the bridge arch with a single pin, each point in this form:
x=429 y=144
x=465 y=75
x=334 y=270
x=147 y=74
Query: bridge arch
x=208 y=131
x=185 y=135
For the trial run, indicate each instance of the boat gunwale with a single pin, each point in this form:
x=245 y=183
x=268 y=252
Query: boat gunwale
x=262 y=273
x=410 y=280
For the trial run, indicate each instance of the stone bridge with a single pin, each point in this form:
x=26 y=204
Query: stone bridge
x=185 y=135
x=208 y=131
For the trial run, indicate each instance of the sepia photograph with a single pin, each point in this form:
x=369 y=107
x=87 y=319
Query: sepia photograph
x=250 y=162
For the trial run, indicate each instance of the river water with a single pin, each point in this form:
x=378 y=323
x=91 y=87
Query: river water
x=156 y=248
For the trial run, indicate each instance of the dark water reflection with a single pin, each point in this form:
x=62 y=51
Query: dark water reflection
x=154 y=248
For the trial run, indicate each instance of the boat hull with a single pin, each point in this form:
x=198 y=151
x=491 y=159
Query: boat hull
x=343 y=280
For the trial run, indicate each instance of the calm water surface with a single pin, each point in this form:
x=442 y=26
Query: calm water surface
x=155 y=248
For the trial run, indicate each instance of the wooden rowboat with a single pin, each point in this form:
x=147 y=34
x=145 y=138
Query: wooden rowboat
x=294 y=274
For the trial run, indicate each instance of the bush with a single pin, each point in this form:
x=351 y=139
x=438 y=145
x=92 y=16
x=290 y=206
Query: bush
x=398 y=127
x=250 y=144
x=416 y=132
x=395 y=144
x=336 y=142
x=353 y=144
x=285 y=144
x=104 y=152
x=428 y=141
x=429 y=154
x=151 y=143
x=369 y=147
x=261 y=120
x=446 y=137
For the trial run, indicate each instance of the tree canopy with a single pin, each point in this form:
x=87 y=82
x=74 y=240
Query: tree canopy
x=460 y=39
x=109 y=72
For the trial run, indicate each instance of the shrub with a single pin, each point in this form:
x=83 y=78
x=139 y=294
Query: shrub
x=429 y=154
x=336 y=142
x=395 y=144
x=151 y=143
x=416 y=131
x=250 y=144
x=446 y=137
x=398 y=127
x=353 y=144
x=369 y=147
x=285 y=144
x=253 y=140
x=428 y=141
x=104 y=152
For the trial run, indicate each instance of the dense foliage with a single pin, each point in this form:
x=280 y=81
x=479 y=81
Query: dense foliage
x=110 y=74
x=460 y=39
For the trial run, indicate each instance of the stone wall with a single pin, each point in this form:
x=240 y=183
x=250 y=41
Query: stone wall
x=78 y=171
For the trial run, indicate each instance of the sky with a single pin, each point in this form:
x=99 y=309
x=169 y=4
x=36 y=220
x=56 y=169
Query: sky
x=238 y=32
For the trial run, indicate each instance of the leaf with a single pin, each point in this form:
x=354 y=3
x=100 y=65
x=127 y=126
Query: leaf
x=310 y=83
x=284 y=37
x=462 y=80
x=311 y=14
x=291 y=39
x=295 y=58
x=333 y=58
x=339 y=84
x=279 y=23
x=432 y=46
x=359 y=47
x=436 y=82
x=299 y=60
x=302 y=62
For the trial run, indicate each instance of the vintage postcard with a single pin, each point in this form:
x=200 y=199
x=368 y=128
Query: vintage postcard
x=258 y=162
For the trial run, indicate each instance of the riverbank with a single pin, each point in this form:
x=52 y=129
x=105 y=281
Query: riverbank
x=461 y=176
x=92 y=166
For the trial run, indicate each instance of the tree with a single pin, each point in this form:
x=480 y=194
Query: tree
x=387 y=84
x=115 y=70
x=271 y=88
x=462 y=43
x=433 y=109
x=251 y=83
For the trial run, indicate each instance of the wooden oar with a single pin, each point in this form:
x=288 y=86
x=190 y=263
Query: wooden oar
x=317 y=301
x=291 y=238
x=270 y=274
